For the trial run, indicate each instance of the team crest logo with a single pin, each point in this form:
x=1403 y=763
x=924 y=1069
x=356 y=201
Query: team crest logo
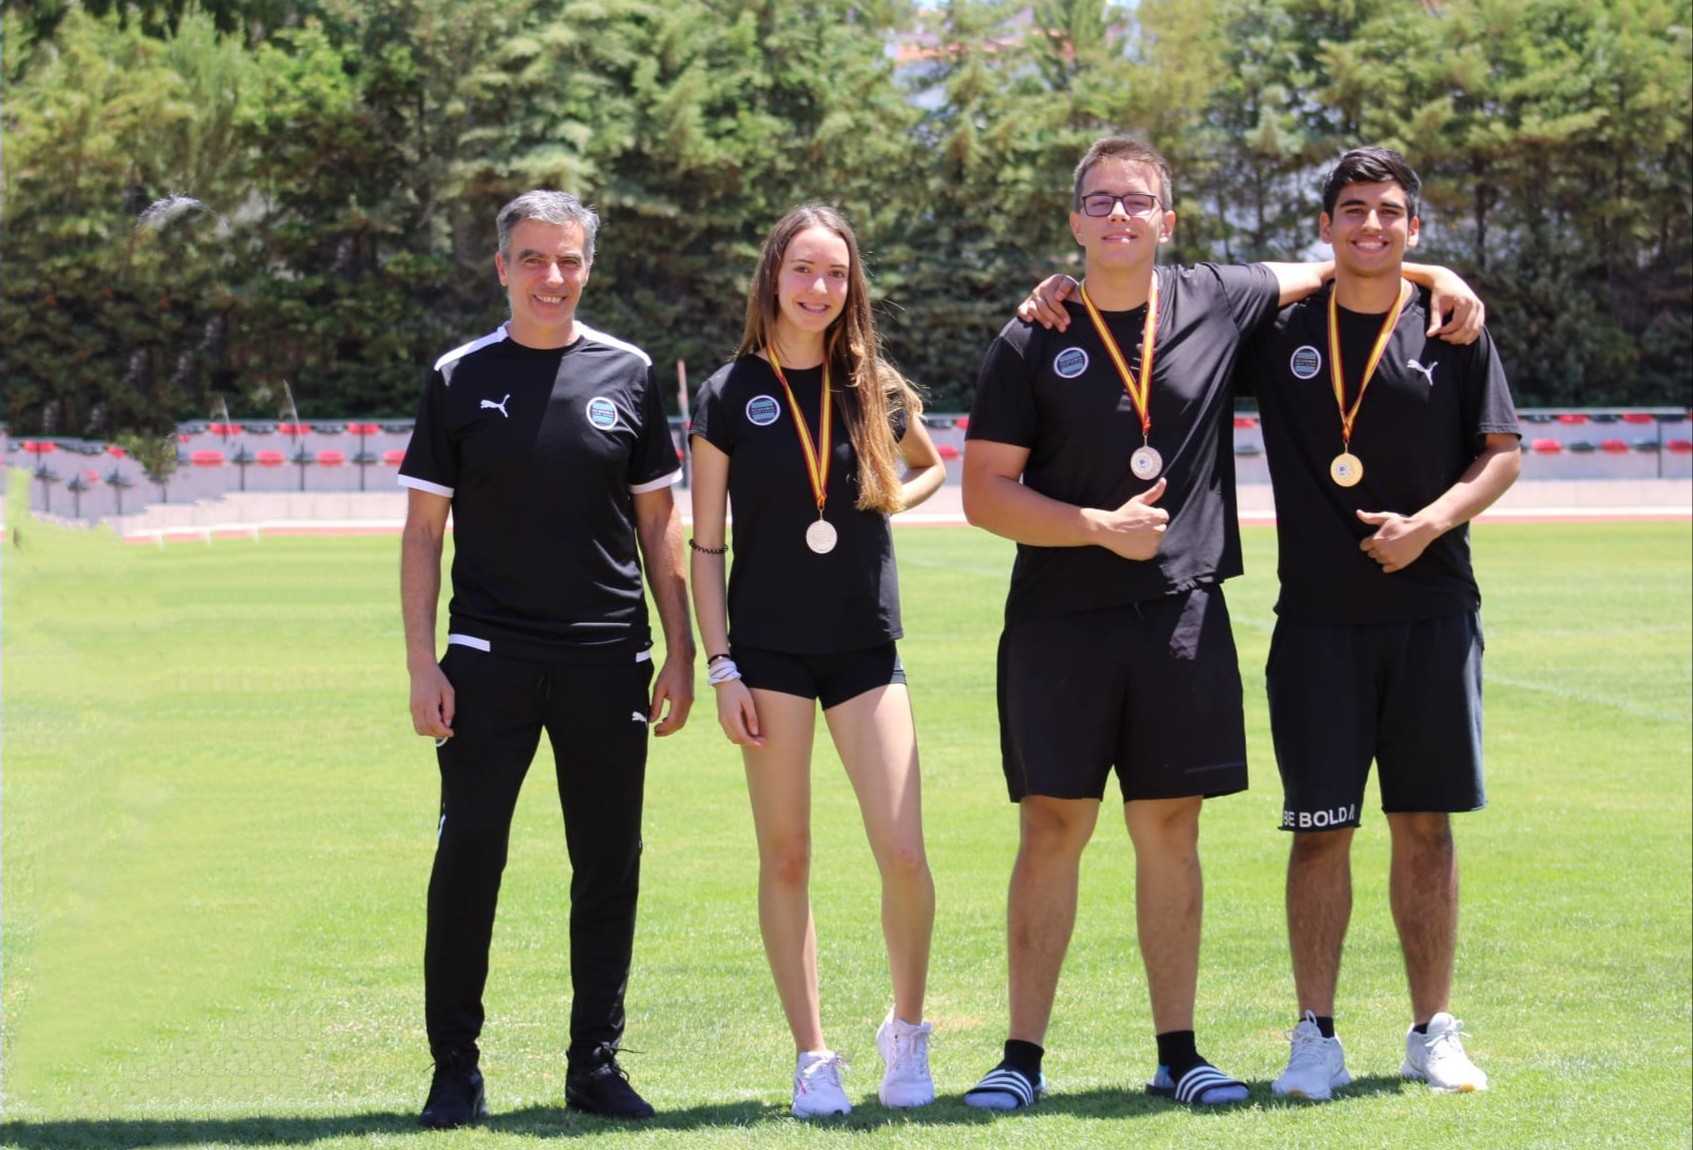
x=763 y=410
x=1306 y=362
x=1071 y=362
x=602 y=413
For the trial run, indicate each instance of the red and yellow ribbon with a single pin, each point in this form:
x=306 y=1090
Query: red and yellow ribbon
x=1139 y=388
x=816 y=462
x=1349 y=415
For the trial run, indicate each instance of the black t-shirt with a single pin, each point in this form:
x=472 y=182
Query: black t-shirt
x=1421 y=424
x=782 y=595
x=1059 y=395
x=541 y=452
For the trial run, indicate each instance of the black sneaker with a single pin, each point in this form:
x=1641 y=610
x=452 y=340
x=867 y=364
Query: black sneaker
x=602 y=1087
x=456 y=1096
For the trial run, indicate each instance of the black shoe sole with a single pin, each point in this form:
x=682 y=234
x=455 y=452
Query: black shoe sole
x=575 y=1102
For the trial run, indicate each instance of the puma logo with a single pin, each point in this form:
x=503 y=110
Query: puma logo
x=1428 y=372
x=490 y=405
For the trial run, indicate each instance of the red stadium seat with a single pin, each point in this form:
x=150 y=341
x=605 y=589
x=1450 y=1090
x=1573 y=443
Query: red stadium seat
x=394 y=456
x=1637 y=417
x=1573 y=417
x=39 y=447
x=364 y=428
x=225 y=429
x=331 y=458
x=947 y=451
x=962 y=423
x=269 y=458
x=1245 y=422
x=1546 y=447
x=206 y=458
x=116 y=452
x=1679 y=446
x=1613 y=447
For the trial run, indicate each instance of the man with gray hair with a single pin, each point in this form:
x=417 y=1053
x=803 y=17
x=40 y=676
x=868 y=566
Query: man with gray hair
x=547 y=441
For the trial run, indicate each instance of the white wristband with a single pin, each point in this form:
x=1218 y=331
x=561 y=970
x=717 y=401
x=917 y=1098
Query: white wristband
x=723 y=671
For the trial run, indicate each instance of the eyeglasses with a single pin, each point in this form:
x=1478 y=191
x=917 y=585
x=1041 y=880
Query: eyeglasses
x=1101 y=204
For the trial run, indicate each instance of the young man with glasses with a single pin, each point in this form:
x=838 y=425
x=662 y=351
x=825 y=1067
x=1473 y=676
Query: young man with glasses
x=1102 y=447
x=547 y=442
x=1382 y=446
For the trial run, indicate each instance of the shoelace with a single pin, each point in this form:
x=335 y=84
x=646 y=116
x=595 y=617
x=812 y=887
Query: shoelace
x=1448 y=1041
x=911 y=1050
x=826 y=1069
x=1308 y=1046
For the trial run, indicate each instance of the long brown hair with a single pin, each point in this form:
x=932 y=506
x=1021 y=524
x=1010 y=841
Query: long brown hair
x=868 y=386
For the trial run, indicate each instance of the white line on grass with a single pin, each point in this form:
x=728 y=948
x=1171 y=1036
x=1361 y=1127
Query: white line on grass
x=967 y=568
x=1627 y=705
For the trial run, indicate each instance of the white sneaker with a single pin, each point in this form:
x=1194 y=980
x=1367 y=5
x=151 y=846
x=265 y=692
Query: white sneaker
x=1438 y=1058
x=1316 y=1066
x=817 y=1085
x=905 y=1054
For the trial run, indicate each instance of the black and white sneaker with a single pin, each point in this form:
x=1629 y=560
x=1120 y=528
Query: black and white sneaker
x=602 y=1087
x=456 y=1094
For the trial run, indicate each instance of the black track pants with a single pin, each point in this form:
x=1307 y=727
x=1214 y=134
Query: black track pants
x=594 y=717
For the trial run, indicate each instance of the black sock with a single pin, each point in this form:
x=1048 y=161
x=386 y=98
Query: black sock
x=1177 y=1051
x=1421 y=1028
x=1023 y=1057
x=1325 y=1025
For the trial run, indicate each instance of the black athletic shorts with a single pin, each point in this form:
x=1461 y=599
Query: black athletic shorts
x=830 y=679
x=1407 y=695
x=1152 y=690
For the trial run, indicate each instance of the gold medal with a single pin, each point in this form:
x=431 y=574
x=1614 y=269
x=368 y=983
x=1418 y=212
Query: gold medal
x=821 y=537
x=1346 y=469
x=1145 y=463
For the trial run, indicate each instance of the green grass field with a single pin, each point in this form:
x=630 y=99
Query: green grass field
x=218 y=826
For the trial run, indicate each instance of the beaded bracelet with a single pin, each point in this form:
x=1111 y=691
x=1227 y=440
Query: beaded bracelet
x=712 y=659
x=723 y=550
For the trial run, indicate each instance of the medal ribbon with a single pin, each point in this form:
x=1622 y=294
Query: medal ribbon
x=1139 y=389
x=1338 y=377
x=816 y=464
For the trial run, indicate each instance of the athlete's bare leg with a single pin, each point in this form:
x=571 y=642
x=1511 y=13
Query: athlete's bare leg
x=1423 y=888
x=1042 y=910
x=1169 y=903
x=779 y=784
x=1319 y=908
x=877 y=742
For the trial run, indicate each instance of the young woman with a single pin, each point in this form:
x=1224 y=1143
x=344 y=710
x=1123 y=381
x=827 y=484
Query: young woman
x=808 y=432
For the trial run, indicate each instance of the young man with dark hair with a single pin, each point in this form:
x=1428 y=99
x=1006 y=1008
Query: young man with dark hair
x=1382 y=446
x=547 y=442
x=1102 y=450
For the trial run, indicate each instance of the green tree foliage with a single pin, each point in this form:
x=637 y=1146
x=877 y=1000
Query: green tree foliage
x=351 y=154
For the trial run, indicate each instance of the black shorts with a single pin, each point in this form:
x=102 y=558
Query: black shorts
x=1152 y=690
x=830 y=679
x=1407 y=695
